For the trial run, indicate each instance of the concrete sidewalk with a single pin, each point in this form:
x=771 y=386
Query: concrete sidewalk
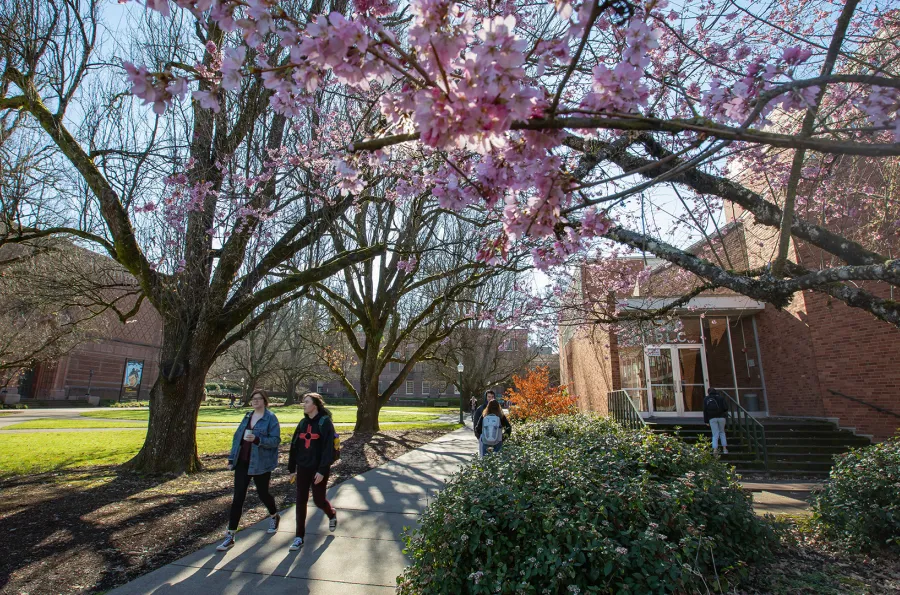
x=782 y=497
x=364 y=556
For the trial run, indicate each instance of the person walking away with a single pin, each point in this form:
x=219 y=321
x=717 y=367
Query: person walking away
x=231 y=400
x=254 y=454
x=715 y=413
x=309 y=463
x=473 y=404
x=492 y=429
x=477 y=413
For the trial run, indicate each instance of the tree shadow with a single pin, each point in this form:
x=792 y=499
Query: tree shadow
x=88 y=530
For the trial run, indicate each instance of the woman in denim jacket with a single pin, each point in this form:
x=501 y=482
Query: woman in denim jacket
x=254 y=453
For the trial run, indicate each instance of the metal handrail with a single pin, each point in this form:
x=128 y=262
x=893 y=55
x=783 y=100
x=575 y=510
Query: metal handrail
x=866 y=403
x=622 y=409
x=749 y=428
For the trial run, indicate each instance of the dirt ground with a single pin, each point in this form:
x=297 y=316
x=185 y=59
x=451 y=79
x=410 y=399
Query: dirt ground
x=89 y=530
x=806 y=565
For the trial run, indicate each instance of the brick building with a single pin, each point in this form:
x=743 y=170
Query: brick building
x=806 y=360
x=122 y=364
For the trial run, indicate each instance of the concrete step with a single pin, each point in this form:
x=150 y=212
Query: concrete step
x=795 y=446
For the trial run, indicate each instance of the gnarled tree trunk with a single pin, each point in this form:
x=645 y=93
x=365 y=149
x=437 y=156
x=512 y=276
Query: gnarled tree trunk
x=171 y=443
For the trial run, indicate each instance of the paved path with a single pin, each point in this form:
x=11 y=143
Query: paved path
x=782 y=497
x=363 y=557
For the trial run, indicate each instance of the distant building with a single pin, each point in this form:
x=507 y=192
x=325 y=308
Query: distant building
x=123 y=365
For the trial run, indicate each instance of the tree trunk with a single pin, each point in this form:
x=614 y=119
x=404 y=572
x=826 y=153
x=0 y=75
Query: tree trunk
x=171 y=442
x=367 y=408
x=291 y=393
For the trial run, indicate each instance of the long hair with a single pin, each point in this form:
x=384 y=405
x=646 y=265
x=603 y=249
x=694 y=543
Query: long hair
x=261 y=393
x=493 y=408
x=320 y=404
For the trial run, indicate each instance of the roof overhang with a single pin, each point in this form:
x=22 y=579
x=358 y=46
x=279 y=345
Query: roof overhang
x=726 y=304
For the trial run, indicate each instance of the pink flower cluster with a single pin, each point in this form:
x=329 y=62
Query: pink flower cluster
x=407 y=266
x=157 y=89
x=621 y=88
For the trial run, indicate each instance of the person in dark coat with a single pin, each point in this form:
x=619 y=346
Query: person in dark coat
x=309 y=462
x=476 y=415
x=715 y=413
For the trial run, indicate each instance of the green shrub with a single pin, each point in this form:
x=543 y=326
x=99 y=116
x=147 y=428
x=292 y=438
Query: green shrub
x=860 y=503
x=577 y=504
x=123 y=404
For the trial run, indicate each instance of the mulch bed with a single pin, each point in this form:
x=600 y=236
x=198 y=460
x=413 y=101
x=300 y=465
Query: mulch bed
x=805 y=565
x=92 y=529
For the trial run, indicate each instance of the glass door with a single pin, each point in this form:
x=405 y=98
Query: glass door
x=677 y=379
x=691 y=378
x=661 y=376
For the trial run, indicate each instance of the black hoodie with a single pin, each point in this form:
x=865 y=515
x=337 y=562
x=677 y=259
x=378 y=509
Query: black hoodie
x=312 y=445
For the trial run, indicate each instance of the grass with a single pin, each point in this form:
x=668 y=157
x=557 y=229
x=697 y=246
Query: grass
x=51 y=451
x=62 y=424
x=286 y=415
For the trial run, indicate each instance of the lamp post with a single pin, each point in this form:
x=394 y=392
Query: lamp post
x=460 y=368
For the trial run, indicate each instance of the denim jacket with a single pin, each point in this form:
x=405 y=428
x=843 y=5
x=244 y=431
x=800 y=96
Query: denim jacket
x=263 y=456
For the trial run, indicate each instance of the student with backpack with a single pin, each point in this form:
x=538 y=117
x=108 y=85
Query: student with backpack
x=492 y=428
x=254 y=454
x=715 y=413
x=314 y=447
x=477 y=413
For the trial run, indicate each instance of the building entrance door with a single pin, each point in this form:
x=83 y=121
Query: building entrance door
x=677 y=379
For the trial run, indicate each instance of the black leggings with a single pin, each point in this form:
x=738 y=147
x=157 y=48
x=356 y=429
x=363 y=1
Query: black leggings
x=241 y=483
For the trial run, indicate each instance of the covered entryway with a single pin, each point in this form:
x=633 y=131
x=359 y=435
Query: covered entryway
x=667 y=366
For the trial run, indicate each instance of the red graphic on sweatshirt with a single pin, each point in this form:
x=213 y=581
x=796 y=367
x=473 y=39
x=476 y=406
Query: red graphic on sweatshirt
x=308 y=437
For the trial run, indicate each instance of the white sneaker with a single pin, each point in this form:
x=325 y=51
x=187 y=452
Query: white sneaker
x=227 y=544
x=332 y=523
x=273 y=524
x=724 y=451
x=297 y=544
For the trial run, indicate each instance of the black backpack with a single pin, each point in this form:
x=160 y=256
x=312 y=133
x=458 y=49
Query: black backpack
x=712 y=407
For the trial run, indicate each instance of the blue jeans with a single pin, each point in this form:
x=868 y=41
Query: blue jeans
x=717 y=425
x=483 y=448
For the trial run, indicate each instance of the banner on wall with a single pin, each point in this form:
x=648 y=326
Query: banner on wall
x=131 y=384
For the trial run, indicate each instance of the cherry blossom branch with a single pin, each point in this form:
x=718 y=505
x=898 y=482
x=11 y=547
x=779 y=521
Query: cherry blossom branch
x=649 y=124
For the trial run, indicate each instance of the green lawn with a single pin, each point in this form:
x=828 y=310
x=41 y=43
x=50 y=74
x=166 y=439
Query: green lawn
x=286 y=415
x=49 y=451
x=62 y=424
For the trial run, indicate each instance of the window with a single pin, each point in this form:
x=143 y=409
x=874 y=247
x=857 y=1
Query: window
x=320 y=386
x=410 y=387
x=426 y=387
x=455 y=390
x=512 y=344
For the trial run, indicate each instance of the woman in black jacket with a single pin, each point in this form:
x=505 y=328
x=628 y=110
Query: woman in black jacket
x=311 y=456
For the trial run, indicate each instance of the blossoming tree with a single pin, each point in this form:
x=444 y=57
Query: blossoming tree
x=554 y=114
x=206 y=207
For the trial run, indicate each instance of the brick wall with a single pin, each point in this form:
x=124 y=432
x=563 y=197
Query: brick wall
x=817 y=344
x=139 y=339
x=590 y=368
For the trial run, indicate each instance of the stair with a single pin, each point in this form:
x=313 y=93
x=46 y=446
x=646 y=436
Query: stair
x=796 y=446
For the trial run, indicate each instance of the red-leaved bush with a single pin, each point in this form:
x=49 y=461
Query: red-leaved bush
x=534 y=398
